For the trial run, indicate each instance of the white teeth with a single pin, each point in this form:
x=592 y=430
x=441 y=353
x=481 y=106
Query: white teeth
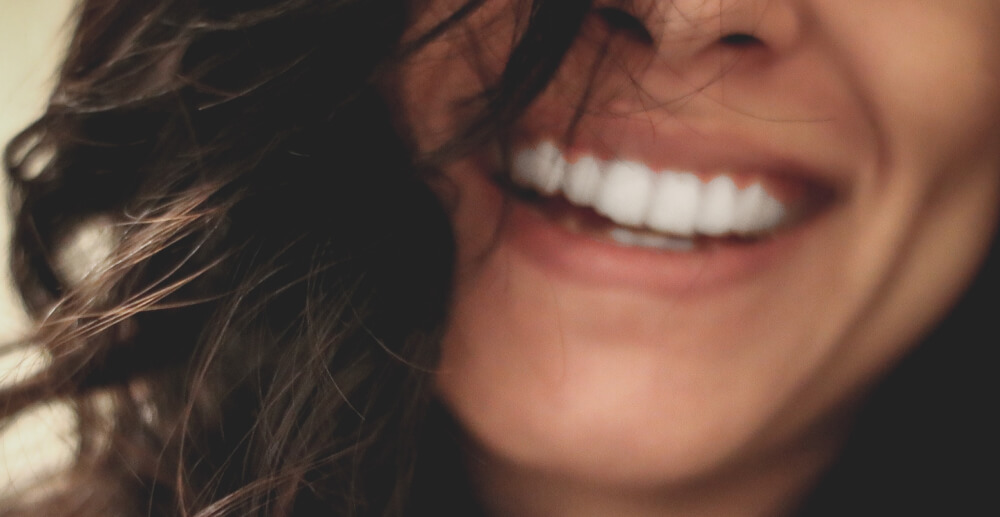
x=541 y=168
x=717 y=208
x=675 y=203
x=756 y=211
x=582 y=181
x=646 y=240
x=624 y=193
x=633 y=195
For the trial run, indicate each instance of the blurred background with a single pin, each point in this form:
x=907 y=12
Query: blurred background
x=33 y=34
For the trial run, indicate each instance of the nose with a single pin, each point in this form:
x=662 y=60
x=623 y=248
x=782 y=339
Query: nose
x=690 y=46
x=687 y=30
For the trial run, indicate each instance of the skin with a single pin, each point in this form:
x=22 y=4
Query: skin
x=585 y=397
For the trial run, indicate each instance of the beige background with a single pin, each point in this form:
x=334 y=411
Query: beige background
x=32 y=36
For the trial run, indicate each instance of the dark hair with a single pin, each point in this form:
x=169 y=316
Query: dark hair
x=261 y=337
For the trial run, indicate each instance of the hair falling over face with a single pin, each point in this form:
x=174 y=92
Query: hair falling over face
x=286 y=268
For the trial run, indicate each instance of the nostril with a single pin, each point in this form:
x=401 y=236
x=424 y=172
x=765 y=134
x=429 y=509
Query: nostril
x=740 y=39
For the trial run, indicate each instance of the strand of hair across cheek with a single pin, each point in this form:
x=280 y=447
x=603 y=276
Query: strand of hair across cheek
x=533 y=62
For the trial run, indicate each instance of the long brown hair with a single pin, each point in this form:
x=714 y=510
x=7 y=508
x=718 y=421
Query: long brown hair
x=260 y=337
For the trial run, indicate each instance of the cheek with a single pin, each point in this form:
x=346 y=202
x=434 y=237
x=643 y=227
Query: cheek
x=930 y=75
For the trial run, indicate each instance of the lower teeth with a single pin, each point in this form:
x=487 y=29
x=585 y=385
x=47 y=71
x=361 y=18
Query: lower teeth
x=648 y=240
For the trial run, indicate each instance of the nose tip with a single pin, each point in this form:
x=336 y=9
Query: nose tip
x=693 y=45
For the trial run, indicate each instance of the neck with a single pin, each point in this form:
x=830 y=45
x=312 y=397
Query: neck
x=771 y=486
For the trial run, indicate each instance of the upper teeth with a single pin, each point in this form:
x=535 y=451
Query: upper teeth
x=632 y=194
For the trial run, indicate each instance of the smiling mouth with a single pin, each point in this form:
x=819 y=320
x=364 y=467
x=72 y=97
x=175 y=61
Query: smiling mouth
x=630 y=204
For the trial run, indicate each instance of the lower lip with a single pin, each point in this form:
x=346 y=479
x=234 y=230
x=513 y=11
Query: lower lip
x=586 y=259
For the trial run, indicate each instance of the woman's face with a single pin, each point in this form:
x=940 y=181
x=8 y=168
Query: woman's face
x=838 y=172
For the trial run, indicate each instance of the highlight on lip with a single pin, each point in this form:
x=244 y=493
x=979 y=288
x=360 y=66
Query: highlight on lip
x=678 y=205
